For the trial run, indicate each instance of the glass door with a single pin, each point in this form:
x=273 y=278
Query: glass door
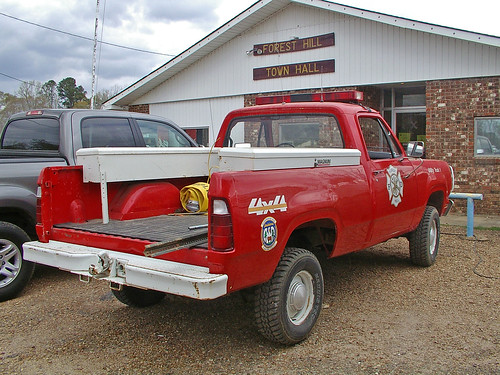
x=404 y=110
x=410 y=126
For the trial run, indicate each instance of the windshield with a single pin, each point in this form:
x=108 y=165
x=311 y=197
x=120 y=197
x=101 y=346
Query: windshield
x=302 y=131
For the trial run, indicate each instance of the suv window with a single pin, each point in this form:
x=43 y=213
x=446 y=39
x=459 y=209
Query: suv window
x=107 y=132
x=159 y=134
x=32 y=134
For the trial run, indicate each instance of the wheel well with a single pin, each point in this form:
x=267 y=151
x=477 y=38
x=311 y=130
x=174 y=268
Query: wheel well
x=436 y=200
x=19 y=218
x=317 y=236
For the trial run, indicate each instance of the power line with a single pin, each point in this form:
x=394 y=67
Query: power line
x=14 y=78
x=83 y=37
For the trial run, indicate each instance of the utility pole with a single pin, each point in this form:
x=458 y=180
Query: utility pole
x=94 y=56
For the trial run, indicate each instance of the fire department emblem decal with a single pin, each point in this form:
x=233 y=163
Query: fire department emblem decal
x=394 y=185
x=269 y=233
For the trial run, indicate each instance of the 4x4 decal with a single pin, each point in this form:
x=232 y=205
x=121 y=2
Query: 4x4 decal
x=261 y=207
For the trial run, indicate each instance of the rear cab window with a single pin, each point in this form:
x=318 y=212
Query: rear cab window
x=286 y=130
x=39 y=134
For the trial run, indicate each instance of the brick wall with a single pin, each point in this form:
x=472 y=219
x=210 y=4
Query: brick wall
x=141 y=108
x=452 y=106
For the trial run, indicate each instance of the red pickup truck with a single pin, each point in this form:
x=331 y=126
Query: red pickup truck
x=287 y=181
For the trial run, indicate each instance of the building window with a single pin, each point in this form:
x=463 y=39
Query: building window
x=487 y=136
x=404 y=111
x=200 y=135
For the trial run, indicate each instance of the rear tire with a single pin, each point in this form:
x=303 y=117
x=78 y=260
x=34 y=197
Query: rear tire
x=15 y=272
x=424 y=241
x=287 y=306
x=138 y=297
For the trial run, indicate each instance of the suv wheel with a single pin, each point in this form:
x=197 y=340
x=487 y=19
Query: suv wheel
x=15 y=272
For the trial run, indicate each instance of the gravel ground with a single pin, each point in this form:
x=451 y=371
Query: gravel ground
x=381 y=315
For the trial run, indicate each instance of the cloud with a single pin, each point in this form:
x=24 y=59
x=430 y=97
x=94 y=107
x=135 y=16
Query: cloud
x=34 y=53
x=30 y=53
x=196 y=11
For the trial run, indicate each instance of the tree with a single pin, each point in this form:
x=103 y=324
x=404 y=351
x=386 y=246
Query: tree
x=49 y=92
x=30 y=94
x=9 y=104
x=103 y=95
x=70 y=93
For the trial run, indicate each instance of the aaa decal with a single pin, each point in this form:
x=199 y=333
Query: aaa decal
x=260 y=207
x=394 y=185
x=268 y=233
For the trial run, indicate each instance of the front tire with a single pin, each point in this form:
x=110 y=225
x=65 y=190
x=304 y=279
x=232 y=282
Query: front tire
x=138 y=297
x=15 y=272
x=288 y=305
x=424 y=241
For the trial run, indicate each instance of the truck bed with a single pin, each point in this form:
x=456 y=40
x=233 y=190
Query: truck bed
x=165 y=228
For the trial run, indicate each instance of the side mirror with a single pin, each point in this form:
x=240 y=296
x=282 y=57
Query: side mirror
x=415 y=149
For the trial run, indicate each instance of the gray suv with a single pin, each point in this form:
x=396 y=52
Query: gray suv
x=31 y=141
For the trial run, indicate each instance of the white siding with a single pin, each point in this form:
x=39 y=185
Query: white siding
x=198 y=113
x=365 y=52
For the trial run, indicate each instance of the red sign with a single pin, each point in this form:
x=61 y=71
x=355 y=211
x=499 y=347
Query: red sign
x=319 y=41
x=293 y=70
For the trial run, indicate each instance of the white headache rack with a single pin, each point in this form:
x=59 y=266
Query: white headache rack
x=103 y=165
x=264 y=158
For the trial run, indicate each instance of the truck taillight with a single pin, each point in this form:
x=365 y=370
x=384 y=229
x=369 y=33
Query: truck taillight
x=39 y=205
x=221 y=227
x=350 y=96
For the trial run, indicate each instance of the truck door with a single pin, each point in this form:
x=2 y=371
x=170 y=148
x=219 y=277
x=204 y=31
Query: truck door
x=394 y=185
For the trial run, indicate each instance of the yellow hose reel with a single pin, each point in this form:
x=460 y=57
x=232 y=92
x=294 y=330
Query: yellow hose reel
x=194 y=198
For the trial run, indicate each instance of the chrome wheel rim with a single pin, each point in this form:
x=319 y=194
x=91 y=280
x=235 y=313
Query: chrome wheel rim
x=433 y=236
x=10 y=262
x=300 y=297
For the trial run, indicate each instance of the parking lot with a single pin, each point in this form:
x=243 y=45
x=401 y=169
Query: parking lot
x=381 y=315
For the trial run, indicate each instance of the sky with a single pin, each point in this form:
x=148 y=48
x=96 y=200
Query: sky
x=165 y=27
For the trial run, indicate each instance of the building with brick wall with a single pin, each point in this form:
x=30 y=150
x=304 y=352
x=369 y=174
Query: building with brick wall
x=433 y=84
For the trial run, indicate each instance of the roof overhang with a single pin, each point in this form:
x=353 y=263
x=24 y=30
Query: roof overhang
x=403 y=22
x=239 y=24
x=257 y=13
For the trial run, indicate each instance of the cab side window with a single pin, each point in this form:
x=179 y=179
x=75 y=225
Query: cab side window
x=107 y=132
x=379 y=141
x=159 y=134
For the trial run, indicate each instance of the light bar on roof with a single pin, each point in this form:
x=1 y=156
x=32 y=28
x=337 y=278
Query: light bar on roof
x=351 y=96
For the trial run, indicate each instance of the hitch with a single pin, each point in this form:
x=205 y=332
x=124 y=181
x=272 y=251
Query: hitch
x=101 y=269
x=86 y=279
